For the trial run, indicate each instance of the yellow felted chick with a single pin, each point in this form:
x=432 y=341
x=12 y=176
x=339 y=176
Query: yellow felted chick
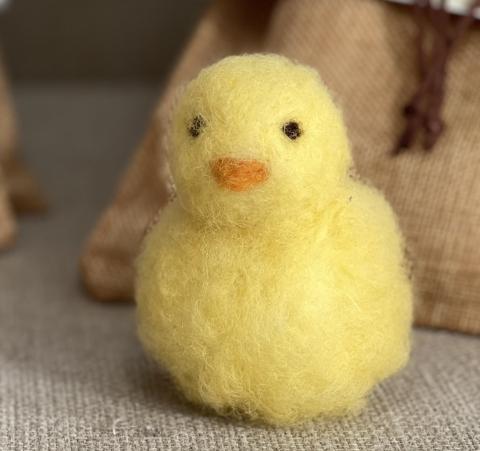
x=273 y=286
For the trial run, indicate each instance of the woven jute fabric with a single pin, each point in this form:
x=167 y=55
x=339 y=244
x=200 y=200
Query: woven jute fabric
x=18 y=188
x=7 y=137
x=7 y=221
x=73 y=375
x=365 y=52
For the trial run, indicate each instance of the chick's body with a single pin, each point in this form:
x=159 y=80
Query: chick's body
x=279 y=293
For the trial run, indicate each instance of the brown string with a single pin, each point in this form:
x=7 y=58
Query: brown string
x=424 y=111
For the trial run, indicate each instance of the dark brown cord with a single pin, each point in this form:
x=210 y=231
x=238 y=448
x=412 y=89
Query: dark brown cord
x=424 y=111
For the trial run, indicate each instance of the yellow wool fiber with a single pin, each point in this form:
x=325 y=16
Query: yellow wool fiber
x=274 y=285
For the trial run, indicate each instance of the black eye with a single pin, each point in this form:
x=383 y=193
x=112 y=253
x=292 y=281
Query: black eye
x=292 y=130
x=196 y=126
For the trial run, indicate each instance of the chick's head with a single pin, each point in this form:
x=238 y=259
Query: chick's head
x=256 y=136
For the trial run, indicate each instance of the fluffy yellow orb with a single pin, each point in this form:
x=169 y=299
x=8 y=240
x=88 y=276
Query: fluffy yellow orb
x=274 y=285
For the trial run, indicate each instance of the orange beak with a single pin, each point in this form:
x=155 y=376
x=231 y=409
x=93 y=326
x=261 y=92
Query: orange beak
x=239 y=175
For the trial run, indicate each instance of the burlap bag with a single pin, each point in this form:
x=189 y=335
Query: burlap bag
x=365 y=52
x=7 y=222
x=18 y=189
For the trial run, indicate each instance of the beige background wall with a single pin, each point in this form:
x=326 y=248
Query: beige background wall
x=94 y=39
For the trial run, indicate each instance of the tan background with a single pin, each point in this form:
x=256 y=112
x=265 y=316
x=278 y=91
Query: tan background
x=95 y=39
